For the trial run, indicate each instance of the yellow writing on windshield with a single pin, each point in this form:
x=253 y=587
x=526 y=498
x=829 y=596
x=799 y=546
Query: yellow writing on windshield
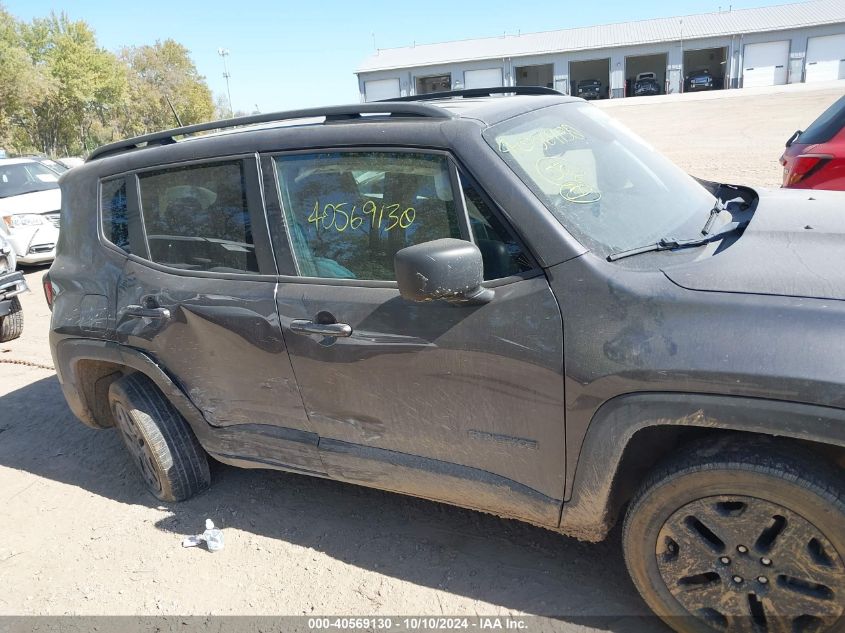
x=543 y=139
x=572 y=183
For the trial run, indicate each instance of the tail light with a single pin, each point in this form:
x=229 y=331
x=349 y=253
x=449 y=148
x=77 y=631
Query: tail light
x=49 y=291
x=801 y=167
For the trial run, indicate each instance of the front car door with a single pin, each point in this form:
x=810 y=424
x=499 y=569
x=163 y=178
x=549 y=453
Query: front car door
x=462 y=404
x=197 y=294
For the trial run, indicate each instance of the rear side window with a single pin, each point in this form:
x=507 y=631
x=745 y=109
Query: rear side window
x=197 y=218
x=348 y=213
x=113 y=213
x=826 y=126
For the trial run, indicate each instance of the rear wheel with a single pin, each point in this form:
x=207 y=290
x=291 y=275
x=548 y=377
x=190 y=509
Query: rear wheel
x=166 y=452
x=11 y=325
x=741 y=540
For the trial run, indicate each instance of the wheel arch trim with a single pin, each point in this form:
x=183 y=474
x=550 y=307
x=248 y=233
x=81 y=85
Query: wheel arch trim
x=588 y=512
x=70 y=352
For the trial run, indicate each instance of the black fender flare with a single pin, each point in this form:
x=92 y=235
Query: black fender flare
x=589 y=514
x=70 y=351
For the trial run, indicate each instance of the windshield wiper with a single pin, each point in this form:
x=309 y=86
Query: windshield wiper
x=670 y=244
x=717 y=208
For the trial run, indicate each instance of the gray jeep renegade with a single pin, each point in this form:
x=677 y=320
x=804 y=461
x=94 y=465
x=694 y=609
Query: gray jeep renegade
x=510 y=304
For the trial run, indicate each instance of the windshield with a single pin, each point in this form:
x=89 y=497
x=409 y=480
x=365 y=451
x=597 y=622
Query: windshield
x=20 y=178
x=604 y=184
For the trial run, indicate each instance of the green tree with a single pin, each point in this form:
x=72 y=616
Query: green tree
x=83 y=84
x=22 y=84
x=157 y=74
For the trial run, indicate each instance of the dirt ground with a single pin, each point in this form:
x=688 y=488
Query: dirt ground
x=79 y=535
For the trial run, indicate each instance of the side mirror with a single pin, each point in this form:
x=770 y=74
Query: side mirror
x=447 y=269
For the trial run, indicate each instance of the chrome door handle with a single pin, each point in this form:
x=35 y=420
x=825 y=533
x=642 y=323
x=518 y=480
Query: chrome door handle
x=150 y=313
x=301 y=326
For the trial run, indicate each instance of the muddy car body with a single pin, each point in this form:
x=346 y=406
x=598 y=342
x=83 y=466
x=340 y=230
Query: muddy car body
x=537 y=354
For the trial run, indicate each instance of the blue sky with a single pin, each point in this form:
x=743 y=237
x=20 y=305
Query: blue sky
x=294 y=54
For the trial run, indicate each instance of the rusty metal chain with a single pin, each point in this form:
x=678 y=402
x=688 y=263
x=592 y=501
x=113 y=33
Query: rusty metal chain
x=26 y=363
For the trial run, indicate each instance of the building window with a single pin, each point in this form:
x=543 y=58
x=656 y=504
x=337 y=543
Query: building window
x=437 y=83
x=540 y=75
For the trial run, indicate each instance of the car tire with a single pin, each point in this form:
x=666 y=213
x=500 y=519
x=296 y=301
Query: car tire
x=165 y=450
x=741 y=538
x=11 y=325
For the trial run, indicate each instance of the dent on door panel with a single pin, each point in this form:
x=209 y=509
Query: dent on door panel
x=222 y=344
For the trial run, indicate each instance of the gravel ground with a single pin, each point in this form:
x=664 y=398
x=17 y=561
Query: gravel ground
x=78 y=534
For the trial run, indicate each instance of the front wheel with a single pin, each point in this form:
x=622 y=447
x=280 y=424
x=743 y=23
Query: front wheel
x=741 y=540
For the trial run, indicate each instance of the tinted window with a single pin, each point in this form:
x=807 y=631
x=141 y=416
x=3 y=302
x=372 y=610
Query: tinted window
x=348 y=213
x=113 y=210
x=502 y=254
x=197 y=218
x=826 y=126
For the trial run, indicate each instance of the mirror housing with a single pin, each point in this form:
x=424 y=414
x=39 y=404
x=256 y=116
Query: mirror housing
x=447 y=269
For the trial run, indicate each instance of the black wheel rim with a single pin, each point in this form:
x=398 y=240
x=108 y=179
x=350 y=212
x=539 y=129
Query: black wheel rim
x=740 y=563
x=138 y=447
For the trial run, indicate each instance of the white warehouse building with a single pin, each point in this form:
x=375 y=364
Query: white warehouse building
x=792 y=43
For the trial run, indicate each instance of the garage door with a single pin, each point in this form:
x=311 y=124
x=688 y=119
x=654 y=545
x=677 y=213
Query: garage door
x=487 y=78
x=765 y=64
x=378 y=89
x=825 y=58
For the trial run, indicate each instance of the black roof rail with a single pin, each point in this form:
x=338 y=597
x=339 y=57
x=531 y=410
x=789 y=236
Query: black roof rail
x=479 y=92
x=331 y=113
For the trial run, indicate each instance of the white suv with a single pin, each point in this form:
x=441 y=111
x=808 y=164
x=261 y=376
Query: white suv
x=30 y=200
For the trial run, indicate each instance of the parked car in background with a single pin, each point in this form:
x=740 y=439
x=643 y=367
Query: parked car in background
x=646 y=84
x=30 y=204
x=815 y=158
x=511 y=304
x=71 y=161
x=12 y=283
x=49 y=163
x=700 y=80
x=589 y=89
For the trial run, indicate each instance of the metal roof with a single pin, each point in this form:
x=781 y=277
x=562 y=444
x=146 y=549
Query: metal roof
x=774 y=18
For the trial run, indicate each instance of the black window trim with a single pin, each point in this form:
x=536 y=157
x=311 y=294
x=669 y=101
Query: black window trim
x=265 y=255
x=464 y=175
x=455 y=170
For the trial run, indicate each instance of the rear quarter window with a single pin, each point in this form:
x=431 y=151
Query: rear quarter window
x=113 y=213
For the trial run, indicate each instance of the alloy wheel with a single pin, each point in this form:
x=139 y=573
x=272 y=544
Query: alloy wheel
x=741 y=563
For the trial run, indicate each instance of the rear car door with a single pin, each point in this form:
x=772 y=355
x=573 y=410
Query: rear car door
x=197 y=295
x=462 y=404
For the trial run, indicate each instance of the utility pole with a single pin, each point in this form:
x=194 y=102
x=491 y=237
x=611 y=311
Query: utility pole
x=224 y=53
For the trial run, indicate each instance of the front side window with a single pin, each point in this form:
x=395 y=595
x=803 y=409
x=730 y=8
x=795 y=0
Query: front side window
x=348 y=213
x=113 y=212
x=197 y=218
x=502 y=254
x=601 y=182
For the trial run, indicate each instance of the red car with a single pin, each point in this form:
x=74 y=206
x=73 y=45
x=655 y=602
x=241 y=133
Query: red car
x=815 y=158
